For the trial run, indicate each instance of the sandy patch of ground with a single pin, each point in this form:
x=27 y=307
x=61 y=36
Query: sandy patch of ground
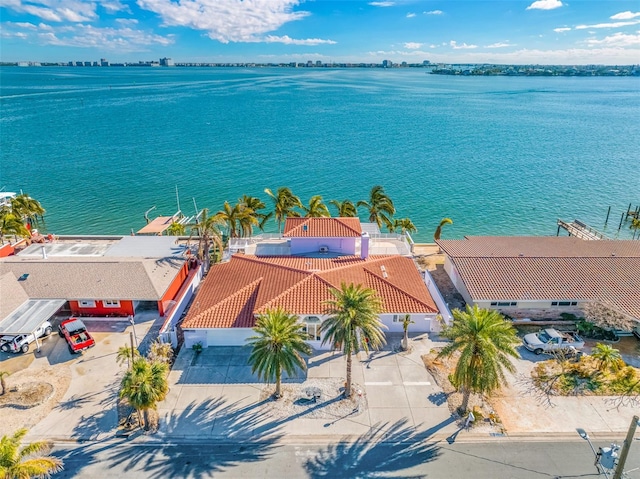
x=330 y=404
x=44 y=385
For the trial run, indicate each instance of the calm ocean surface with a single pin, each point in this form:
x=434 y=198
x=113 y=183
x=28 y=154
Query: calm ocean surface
x=499 y=155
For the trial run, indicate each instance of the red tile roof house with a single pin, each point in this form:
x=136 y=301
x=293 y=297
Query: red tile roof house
x=544 y=276
x=323 y=256
x=96 y=277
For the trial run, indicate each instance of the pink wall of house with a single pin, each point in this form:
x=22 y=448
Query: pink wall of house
x=313 y=245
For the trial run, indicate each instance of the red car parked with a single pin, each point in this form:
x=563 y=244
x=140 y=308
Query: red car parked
x=76 y=334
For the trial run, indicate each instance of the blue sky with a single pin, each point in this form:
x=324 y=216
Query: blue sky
x=450 y=31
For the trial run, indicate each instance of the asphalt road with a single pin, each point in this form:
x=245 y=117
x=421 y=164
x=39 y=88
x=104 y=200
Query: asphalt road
x=360 y=459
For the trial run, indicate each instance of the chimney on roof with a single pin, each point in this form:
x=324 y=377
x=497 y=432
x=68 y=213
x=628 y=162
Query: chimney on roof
x=44 y=253
x=364 y=245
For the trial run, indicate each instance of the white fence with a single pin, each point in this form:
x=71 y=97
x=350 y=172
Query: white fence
x=167 y=331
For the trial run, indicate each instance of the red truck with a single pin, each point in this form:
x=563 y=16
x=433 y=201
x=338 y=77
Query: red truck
x=76 y=334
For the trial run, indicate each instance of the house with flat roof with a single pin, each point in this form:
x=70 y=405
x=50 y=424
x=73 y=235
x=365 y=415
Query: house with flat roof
x=544 y=276
x=97 y=277
x=322 y=257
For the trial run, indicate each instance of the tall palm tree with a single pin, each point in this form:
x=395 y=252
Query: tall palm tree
x=28 y=462
x=346 y=208
x=353 y=323
x=27 y=208
x=238 y=218
x=380 y=207
x=208 y=232
x=144 y=385
x=256 y=204
x=608 y=357
x=11 y=224
x=485 y=341
x=444 y=221
x=284 y=202
x=316 y=208
x=277 y=345
x=124 y=355
x=404 y=225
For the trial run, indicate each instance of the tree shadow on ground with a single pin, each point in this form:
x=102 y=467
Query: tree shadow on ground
x=104 y=420
x=211 y=420
x=381 y=452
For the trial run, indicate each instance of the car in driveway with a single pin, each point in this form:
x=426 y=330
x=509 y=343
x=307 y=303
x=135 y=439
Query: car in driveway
x=20 y=343
x=75 y=333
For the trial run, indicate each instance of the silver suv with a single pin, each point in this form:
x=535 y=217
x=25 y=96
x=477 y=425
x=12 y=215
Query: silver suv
x=21 y=342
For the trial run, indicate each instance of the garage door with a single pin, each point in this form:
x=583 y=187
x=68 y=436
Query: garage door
x=229 y=336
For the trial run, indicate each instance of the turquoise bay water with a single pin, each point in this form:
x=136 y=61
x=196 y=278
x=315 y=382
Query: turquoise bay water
x=499 y=155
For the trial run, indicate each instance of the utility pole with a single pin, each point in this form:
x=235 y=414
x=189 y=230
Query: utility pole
x=132 y=354
x=625 y=448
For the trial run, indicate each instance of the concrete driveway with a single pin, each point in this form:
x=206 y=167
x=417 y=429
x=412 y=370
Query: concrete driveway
x=214 y=395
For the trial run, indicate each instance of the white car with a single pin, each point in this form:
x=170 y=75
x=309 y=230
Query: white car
x=21 y=342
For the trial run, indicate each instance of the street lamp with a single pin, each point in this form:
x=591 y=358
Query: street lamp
x=606 y=457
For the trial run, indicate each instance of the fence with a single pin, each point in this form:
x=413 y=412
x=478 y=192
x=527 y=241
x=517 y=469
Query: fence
x=437 y=298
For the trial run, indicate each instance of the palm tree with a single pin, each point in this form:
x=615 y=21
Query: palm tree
x=353 y=323
x=27 y=208
x=160 y=352
x=208 y=232
x=316 y=208
x=144 y=385
x=284 y=202
x=176 y=229
x=609 y=358
x=277 y=345
x=255 y=204
x=380 y=207
x=405 y=327
x=124 y=354
x=485 y=341
x=635 y=225
x=239 y=219
x=404 y=225
x=28 y=462
x=444 y=221
x=11 y=224
x=346 y=208
x=3 y=384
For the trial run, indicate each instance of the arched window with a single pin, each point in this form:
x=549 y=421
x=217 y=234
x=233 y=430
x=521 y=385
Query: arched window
x=311 y=326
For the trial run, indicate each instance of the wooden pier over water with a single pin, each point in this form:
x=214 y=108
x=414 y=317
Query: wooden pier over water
x=580 y=230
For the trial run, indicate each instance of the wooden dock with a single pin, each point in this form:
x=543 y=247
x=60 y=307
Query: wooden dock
x=580 y=230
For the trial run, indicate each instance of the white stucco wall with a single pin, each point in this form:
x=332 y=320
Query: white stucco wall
x=217 y=337
x=451 y=270
x=313 y=245
x=423 y=323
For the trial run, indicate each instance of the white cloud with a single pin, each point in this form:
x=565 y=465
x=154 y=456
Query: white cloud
x=55 y=10
x=27 y=25
x=292 y=41
x=464 y=46
x=618 y=39
x=545 y=5
x=434 y=12
x=120 y=39
x=382 y=4
x=499 y=45
x=608 y=25
x=625 y=15
x=562 y=29
x=113 y=6
x=411 y=15
x=127 y=21
x=412 y=45
x=227 y=20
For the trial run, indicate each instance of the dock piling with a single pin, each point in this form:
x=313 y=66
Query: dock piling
x=607 y=218
x=621 y=220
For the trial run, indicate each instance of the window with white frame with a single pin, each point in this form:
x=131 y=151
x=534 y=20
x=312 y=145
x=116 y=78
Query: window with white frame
x=396 y=318
x=311 y=326
x=111 y=303
x=87 y=303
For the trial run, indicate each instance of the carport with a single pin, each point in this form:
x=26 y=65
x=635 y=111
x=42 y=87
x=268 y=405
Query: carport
x=28 y=317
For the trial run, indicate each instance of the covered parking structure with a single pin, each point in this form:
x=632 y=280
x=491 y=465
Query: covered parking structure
x=29 y=316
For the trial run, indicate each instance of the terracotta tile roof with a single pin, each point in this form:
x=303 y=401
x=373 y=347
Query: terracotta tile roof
x=537 y=246
x=234 y=292
x=555 y=269
x=322 y=228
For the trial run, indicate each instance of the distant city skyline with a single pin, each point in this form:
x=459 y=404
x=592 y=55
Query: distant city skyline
x=264 y=31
